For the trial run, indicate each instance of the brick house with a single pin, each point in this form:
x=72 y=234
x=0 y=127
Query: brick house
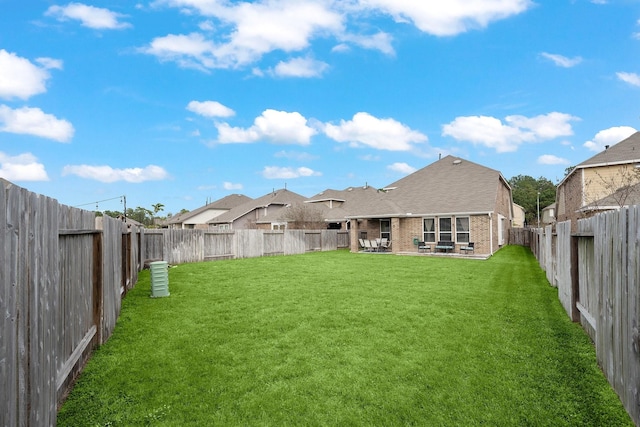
x=451 y=199
x=603 y=182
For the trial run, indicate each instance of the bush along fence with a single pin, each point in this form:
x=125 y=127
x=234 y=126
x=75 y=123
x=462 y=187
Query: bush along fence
x=596 y=269
x=63 y=273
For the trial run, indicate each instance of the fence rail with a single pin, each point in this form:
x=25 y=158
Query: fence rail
x=597 y=273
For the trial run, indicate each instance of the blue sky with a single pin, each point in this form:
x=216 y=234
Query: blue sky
x=183 y=101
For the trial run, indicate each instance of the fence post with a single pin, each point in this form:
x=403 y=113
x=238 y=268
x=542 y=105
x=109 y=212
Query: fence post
x=98 y=297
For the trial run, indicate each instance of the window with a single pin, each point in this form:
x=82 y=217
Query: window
x=444 y=231
x=429 y=234
x=385 y=229
x=462 y=229
x=278 y=226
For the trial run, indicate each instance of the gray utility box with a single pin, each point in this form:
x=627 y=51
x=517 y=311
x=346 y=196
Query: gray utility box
x=159 y=279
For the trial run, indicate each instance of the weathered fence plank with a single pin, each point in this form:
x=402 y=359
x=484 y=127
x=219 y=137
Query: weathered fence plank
x=219 y=245
x=51 y=299
x=8 y=362
x=563 y=267
x=273 y=243
x=294 y=242
x=607 y=294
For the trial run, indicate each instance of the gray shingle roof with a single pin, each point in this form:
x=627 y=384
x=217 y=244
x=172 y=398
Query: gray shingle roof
x=625 y=151
x=226 y=203
x=276 y=197
x=450 y=185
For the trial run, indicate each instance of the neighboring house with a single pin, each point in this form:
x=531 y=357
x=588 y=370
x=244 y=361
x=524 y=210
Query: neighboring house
x=130 y=222
x=251 y=215
x=604 y=182
x=337 y=205
x=548 y=215
x=199 y=218
x=449 y=200
x=518 y=216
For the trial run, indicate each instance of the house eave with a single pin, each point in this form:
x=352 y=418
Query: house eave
x=418 y=215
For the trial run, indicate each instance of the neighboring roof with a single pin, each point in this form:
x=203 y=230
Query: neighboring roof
x=277 y=197
x=450 y=185
x=625 y=151
x=352 y=198
x=130 y=221
x=551 y=206
x=226 y=203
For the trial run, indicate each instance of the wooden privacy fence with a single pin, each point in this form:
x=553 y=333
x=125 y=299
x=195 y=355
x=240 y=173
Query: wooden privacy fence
x=61 y=281
x=63 y=273
x=597 y=273
x=182 y=246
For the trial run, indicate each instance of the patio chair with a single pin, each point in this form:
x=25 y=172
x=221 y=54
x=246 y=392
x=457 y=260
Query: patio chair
x=469 y=248
x=424 y=247
x=361 y=241
x=374 y=245
x=367 y=245
x=385 y=244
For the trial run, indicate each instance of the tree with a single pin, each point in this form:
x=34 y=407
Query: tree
x=112 y=214
x=526 y=190
x=157 y=208
x=303 y=216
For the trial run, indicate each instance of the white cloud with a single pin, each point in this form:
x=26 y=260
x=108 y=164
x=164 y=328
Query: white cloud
x=562 y=61
x=274 y=172
x=609 y=137
x=242 y=32
x=19 y=78
x=451 y=17
x=89 y=16
x=210 y=109
x=188 y=51
x=380 y=41
x=275 y=126
x=109 y=174
x=50 y=63
x=257 y=28
x=231 y=186
x=493 y=133
x=381 y=134
x=402 y=168
x=300 y=67
x=23 y=167
x=545 y=127
x=33 y=121
x=631 y=78
x=550 y=159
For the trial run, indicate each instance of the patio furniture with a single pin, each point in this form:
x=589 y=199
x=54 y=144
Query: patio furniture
x=367 y=245
x=374 y=245
x=469 y=248
x=424 y=247
x=385 y=244
x=445 y=246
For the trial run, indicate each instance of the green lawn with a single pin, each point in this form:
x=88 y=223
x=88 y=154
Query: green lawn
x=347 y=339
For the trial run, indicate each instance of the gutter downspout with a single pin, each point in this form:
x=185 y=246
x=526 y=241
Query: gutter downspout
x=491 y=232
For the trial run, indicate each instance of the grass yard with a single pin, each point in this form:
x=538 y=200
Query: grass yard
x=347 y=339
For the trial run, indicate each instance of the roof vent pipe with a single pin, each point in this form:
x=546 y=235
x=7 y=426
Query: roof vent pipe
x=606 y=147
